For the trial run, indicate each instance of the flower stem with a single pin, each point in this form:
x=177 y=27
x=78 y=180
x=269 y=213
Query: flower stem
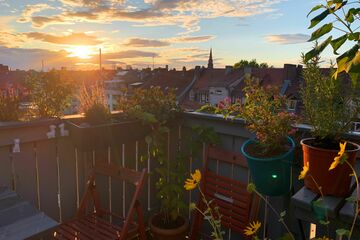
x=356 y=200
x=276 y=212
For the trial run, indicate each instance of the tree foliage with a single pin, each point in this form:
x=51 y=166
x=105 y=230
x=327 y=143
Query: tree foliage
x=9 y=105
x=253 y=63
x=341 y=16
x=50 y=92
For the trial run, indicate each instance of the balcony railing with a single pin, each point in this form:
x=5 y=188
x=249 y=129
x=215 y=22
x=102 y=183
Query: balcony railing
x=49 y=170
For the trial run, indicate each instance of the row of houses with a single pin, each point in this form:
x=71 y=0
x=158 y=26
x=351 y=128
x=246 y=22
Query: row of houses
x=206 y=85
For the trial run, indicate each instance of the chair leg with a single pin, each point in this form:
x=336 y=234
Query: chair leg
x=141 y=226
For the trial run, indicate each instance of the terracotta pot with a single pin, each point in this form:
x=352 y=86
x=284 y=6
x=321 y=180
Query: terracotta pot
x=335 y=182
x=158 y=233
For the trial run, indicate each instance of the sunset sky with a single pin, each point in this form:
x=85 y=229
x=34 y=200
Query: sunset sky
x=134 y=32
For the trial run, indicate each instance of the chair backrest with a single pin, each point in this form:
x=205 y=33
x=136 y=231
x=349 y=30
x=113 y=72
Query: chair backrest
x=114 y=171
x=225 y=180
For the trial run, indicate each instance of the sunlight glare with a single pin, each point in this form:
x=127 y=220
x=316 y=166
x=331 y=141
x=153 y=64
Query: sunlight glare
x=82 y=52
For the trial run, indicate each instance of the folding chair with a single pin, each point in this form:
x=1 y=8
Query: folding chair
x=97 y=225
x=236 y=205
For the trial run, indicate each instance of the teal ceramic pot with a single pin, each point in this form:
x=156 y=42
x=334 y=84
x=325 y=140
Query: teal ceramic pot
x=272 y=176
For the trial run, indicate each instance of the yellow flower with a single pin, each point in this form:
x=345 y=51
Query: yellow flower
x=304 y=171
x=192 y=182
x=252 y=228
x=339 y=156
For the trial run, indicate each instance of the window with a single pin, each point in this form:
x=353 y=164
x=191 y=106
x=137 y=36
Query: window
x=291 y=105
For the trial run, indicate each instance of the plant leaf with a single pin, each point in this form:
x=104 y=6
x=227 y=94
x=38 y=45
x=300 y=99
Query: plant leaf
x=314 y=9
x=321 y=31
x=317 y=50
x=319 y=18
x=338 y=42
x=342 y=232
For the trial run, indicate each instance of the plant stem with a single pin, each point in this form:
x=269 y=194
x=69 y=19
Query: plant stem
x=356 y=200
x=322 y=196
x=276 y=212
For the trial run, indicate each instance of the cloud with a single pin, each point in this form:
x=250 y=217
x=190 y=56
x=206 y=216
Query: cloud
x=71 y=39
x=30 y=10
x=31 y=58
x=129 y=54
x=187 y=39
x=143 y=42
x=287 y=38
x=91 y=3
x=184 y=13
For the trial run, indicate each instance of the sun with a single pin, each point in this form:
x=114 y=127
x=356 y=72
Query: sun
x=83 y=52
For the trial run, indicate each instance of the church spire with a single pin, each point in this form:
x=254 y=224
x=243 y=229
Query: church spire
x=210 y=63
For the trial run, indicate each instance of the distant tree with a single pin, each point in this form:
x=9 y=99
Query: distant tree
x=253 y=63
x=50 y=92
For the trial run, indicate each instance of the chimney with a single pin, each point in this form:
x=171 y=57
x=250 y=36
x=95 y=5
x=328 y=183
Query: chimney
x=167 y=67
x=183 y=71
x=290 y=72
x=228 y=70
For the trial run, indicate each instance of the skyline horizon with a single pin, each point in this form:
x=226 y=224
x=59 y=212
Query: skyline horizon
x=177 y=33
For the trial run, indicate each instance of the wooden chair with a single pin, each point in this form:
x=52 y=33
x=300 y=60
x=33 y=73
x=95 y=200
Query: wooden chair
x=96 y=225
x=237 y=206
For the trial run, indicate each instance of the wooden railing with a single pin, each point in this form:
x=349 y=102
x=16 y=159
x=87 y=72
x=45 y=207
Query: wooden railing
x=50 y=171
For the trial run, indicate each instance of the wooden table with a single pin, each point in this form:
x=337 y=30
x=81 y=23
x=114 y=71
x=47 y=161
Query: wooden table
x=340 y=212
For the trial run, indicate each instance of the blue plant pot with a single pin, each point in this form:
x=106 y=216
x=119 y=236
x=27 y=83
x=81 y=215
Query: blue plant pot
x=271 y=176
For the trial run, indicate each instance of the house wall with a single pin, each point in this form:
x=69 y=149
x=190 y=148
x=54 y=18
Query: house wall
x=216 y=94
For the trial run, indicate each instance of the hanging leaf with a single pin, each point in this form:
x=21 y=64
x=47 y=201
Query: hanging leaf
x=349 y=17
x=338 y=42
x=319 y=18
x=315 y=8
x=317 y=50
x=321 y=31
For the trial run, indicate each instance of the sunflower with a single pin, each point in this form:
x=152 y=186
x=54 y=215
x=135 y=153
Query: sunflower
x=339 y=156
x=252 y=228
x=304 y=171
x=192 y=182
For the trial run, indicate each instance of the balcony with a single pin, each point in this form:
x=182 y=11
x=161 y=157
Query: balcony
x=49 y=168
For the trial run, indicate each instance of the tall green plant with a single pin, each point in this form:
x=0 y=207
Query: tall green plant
x=341 y=16
x=50 y=92
x=155 y=109
x=329 y=105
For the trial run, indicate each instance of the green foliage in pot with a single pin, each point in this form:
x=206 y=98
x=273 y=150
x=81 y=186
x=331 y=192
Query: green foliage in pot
x=93 y=104
x=330 y=105
x=266 y=116
x=340 y=17
x=9 y=106
x=50 y=92
x=155 y=109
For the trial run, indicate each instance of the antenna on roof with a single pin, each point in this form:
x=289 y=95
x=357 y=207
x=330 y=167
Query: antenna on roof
x=100 y=59
x=153 y=61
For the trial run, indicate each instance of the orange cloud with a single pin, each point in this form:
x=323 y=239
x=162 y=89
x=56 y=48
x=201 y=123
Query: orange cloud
x=143 y=42
x=72 y=39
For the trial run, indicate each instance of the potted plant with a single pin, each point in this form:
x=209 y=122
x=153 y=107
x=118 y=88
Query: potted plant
x=157 y=109
x=330 y=106
x=271 y=153
x=99 y=128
